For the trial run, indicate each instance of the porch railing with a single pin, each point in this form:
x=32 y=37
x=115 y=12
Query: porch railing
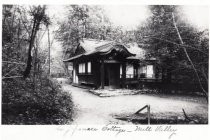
x=138 y=76
x=130 y=76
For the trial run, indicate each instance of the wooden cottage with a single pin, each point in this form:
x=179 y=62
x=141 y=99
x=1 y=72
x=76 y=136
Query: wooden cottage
x=101 y=63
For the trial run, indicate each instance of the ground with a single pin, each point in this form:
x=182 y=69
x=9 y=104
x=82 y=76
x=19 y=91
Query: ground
x=92 y=109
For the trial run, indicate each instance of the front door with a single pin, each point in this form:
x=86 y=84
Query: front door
x=112 y=75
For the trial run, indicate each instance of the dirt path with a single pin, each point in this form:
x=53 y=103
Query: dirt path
x=91 y=109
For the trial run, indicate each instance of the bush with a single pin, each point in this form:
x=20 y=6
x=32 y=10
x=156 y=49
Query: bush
x=35 y=102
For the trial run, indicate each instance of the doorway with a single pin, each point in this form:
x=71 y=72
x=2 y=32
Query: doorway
x=112 y=75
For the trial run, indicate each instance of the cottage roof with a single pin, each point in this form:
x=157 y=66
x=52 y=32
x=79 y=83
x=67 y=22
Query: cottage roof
x=135 y=49
x=92 y=46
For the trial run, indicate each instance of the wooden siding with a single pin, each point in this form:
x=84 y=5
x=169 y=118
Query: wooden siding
x=93 y=78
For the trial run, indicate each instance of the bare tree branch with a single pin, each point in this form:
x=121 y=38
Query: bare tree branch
x=27 y=30
x=13 y=62
x=11 y=77
x=10 y=71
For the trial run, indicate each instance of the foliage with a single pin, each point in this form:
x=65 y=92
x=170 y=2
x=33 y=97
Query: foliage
x=163 y=43
x=36 y=99
x=14 y=41
x=84 y=21
x=38 y=17
x=47 y=104
x=17 y=35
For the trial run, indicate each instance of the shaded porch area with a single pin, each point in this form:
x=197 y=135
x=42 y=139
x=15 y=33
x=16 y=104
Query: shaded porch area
x=116 y=74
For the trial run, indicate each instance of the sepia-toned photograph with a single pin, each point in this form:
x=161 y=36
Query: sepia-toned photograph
x=101 y=64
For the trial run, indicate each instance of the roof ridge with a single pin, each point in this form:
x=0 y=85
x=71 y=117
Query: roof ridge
x=104 y=45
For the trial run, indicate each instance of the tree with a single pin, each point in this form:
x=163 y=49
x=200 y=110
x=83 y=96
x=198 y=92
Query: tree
x=14 y=41
x=20 y=27
x=33 y=100
x=38 y=17
x=86 y=22
x=179 y=46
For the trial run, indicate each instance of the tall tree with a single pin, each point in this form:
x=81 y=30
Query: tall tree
x=85 y=22
x=38 y=17
x=179 y=46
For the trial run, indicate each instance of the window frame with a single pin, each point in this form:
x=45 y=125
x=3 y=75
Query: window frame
x=89 y=67
x=81 y=68
x=147 y=72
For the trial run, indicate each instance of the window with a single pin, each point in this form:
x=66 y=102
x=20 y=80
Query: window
x=120 y=71
x=149 y=71
x=129 y=71
x=89 y=67
x=85 y=68
x=82 y=68
x=143 y=69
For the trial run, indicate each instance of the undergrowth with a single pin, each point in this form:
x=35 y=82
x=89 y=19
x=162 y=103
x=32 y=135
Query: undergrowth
x=25 y=101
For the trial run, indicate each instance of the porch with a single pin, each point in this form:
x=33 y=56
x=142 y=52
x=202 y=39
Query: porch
x=115 y=74
x=123 y=74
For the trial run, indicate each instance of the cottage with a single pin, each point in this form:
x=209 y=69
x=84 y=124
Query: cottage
x=102 y=63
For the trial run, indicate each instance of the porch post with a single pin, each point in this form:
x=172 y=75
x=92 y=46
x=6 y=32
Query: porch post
x=102 y=73
x=123 y=74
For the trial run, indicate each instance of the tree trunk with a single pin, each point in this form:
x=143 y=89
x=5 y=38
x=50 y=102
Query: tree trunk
x=38 y=17
x=31 y=43
x=48 y=48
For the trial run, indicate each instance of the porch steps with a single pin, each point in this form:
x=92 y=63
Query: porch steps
x=81 y=86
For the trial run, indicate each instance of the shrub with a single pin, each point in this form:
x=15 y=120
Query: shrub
x=35 y=102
